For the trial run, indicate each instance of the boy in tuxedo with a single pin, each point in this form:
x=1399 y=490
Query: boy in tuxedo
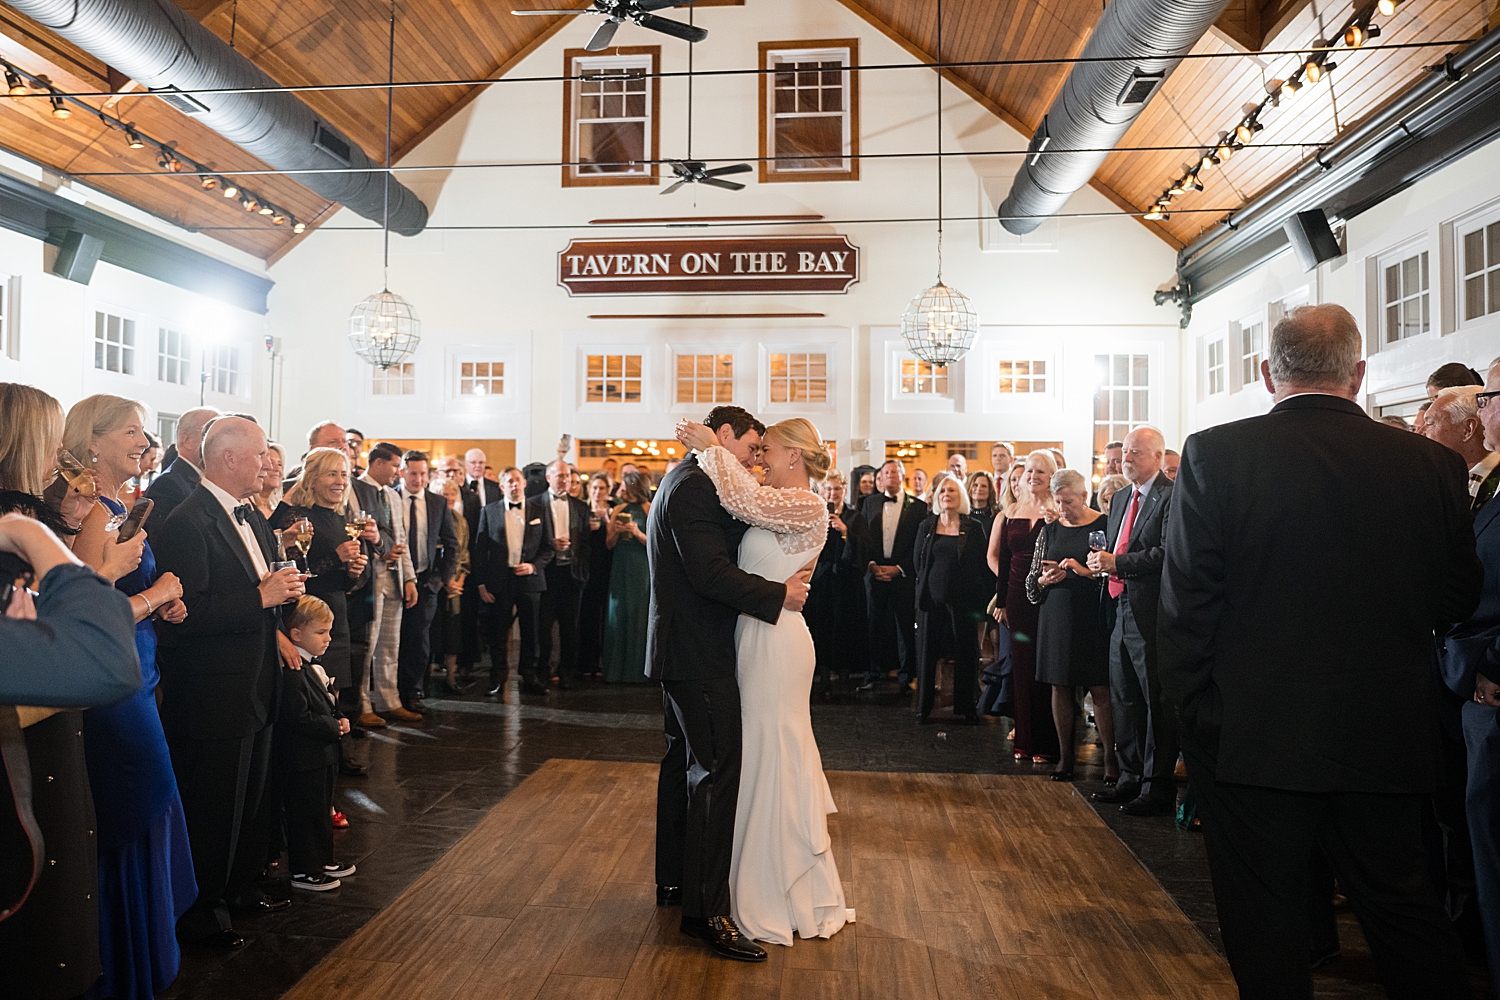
x=307 y=750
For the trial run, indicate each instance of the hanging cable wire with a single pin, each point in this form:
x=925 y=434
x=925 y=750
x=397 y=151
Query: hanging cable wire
x=390 y=105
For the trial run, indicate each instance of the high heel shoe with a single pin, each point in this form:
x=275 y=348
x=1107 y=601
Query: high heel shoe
x=1066 y=774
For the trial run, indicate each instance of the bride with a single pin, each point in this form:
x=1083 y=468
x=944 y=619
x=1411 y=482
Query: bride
x=782 y=877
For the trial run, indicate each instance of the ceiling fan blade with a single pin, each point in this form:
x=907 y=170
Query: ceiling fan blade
x=554 y=13
x=733 y=168
x=645 y=5
x=726 y=185
x=603 y=36
x=676 y=29
x=674 y=187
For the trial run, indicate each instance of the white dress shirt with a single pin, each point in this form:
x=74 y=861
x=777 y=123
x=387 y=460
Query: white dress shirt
x=560 y=523
x=1481 y=471
x=890 y=519
x=416 y=530
x=246 y=533
x=515 y=532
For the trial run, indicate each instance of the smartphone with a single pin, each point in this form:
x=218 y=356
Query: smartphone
x=138 y=515
x=14 y=572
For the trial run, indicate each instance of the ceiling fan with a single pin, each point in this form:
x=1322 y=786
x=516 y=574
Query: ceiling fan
x=697 y=172
x=617 y=12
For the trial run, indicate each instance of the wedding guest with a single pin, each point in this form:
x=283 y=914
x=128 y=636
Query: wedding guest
x=1455 y=374
x=1169 y=463
x=984 y=502
x=594 y=605
x=1453 y=421
x=1072 y=646
x=1057 y=456
x=919 y=483
x=393 y=587
x=150 y=465
x=308 y=730
x=145 y=867
x=434 y=559
x=958 y=466
x=1011 y=549
x=629 y=583
x=480 y=490
x=1397 y=422
x=269 y=497
x=567 y=576
x=368 y=497
x=354 y=440
x=1002 y=457
x=181 y=477
x=337 y=563
x=1108 y=487
x=447 y=632
x=1419 y=422
x=1291 y=660
x=1114 y=454
x=893 y=517
x=835 y=608
x=951 y=594
x=219 y=670
x=483 y=486
x=933 y=484
x=51 y=947
x=1014 y=490
x=863 y=479
x=1145 y=726
x=511 y=552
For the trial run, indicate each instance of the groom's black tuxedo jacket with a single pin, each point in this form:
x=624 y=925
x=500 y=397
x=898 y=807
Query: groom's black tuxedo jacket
x=697 y=588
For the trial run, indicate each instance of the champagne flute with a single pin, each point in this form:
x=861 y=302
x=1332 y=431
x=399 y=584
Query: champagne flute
x=302 y=538
x=355 y=521
x=79 y=478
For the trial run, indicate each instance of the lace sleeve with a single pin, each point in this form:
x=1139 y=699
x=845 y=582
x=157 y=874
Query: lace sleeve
x=1033 y=579
x=785 y=512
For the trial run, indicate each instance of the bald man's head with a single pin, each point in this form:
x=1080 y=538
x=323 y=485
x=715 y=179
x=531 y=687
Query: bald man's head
x=190 y=433
x=1144 y=448
x=234 y=451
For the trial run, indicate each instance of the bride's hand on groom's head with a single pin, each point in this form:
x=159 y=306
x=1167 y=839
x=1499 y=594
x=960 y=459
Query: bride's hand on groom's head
x=694 y=435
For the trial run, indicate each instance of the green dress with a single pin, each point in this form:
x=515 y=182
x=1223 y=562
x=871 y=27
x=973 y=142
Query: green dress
x=629 y=594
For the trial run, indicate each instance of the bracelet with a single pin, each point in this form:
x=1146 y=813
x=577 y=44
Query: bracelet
x=150 y=609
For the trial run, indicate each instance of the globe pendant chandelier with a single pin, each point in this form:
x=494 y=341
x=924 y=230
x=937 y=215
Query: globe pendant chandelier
x=384 y=329
x=940 y=324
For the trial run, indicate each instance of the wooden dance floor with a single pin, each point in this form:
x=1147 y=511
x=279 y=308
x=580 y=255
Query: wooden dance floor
x=966 y=886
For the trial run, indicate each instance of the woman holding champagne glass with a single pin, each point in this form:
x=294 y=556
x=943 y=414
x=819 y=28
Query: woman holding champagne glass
x=334 y=556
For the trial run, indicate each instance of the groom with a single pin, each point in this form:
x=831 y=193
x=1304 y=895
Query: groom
x=697 y=593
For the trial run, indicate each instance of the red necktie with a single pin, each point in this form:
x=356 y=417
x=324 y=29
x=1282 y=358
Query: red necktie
x=1122 y=544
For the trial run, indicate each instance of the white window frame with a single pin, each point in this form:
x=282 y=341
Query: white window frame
x=1215 y=366
x=805 y=380
x=165 y=359
x=401 y=375
x=1396 y=258
x=1490 y=274
x=642 y=173
x=1238 y=376
x=225 y=376
x=460 y=377
x=1004 y=369
x=800 y=407
x=1118 y=426
x=675 y=377
x=647 y=377
x=848 y=168
x=124 y=316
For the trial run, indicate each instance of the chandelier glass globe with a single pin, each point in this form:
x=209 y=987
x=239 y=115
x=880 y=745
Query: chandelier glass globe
x=939 y=325
x=384 y=330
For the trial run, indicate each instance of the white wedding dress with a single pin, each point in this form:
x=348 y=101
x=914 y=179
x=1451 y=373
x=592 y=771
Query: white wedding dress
x=782 y=877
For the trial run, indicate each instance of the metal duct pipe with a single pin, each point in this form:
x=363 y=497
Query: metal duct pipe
x=1145 y=40
x=157 y=44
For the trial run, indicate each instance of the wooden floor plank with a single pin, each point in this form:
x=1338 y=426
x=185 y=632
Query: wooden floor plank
x=579 y=988
x=1019 y=916
x=1051 y=977
x=895 y=969
x=727 y=980
x=575 y=880
x=608 y=936
x=341 y=978
x=835 y=954
x=966 y=960
x=519 y=964
x=440 y=960
x=423 y=905
x=667 y=972
x=800 y=984
x=940 y=876
x=504 y=890
x=887 y=905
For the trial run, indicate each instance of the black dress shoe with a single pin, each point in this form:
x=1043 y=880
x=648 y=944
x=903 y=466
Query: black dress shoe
x=227 y=940
x=497 y=690
x=416 y=705
x=263 y=905
x=1118 y=795
x=532 y=686
x=353 y=769
x=1148 y=806
x=668 y=895
x=922 y=720
x=866 y=686
x=1066 y=774
x=724 y=938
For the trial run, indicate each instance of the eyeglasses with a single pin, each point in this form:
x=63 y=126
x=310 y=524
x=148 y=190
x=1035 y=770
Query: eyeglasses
x=1484 y=397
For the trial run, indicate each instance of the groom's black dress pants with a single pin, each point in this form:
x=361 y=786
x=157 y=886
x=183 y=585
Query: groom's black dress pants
x=697 y=791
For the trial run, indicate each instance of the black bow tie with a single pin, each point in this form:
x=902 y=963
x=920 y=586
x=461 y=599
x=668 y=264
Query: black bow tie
x=884 y=498
x=242 y=511
x=514 y=506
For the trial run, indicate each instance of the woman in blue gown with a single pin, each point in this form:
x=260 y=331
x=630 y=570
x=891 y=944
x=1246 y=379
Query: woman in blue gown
x=145 y=864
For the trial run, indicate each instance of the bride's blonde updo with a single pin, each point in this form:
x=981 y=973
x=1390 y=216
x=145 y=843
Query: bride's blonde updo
x=801 y=434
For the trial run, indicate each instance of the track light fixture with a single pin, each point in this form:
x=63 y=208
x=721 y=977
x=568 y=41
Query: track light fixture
x=1386 y=7
x=298 y=227
x=278 y=219
x=267 y=210
x=15 y=86
x=249 y=204
x=208 y=183
x=59 y=109
x=1154 y=215
x=133 y=138
x=1194 y=184
x=230 y=190
x=1291 y=87
x=1357 y=34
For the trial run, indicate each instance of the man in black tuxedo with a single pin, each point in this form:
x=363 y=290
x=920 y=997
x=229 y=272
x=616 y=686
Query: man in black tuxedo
x=434 y=557
x=219 y=673
x=181 y=477
x=567 y=574
x=1297 y=619
x=510 y=557
x=480 y=492
x=1145 y=726
x=892 y=517
x=698 y=593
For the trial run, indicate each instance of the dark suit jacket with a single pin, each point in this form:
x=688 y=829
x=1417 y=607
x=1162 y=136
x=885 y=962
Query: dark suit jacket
x=219 y=666
x=698 y=590
x=361 y=599
x=1310 y=555
x=307 y=729
x=578 y=534
x=976 y=583
x=842 y=556
x=168 y=490
x=442 y=543
x=486 y=492
x=1140 y=565
x=1473 y=647
x=490 y=557
x=79 y=650
x=903 y=552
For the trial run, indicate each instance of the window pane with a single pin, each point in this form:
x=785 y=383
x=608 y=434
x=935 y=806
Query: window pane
x=1424 y=270
x=1410 y=276
x=1495 y=290
x=1474 y=297
x=1038 y=385
x=817 y=390
x=633 y=366
x=1492 y=239
x=611 y=147
x=1392 y=323
x=1393 y=283
x=1140 y=370
x=779 y=391
x=1121 y=407
x=1121 y=374
x=1474 y=252
x=1142 y=412
x=810 y=143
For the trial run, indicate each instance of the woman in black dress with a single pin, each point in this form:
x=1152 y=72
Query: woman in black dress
x=339 y=563
x=595 y=601
x=984 y=502
x=835 y=609
x=1072 y=647
x=952 y=590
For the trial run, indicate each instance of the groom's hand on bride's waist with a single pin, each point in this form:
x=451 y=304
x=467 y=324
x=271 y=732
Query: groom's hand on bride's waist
x=796 y=589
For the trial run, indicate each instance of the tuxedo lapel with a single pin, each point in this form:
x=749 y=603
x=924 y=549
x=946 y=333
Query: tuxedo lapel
x=225 y=524
x=1488 y=517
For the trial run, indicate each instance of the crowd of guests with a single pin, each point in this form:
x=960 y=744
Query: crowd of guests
x=265 y=605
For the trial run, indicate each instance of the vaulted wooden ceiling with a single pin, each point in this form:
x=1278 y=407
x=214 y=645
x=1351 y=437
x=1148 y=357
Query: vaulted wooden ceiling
x=310 y=42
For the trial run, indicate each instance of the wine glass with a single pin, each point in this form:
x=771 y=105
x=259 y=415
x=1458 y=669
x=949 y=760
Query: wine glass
x=1098 y=540
x=355 y=521
x=301 y=540
x=79 y=478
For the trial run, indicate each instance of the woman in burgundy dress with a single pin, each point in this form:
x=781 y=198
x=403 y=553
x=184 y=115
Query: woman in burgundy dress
x=1012 y=545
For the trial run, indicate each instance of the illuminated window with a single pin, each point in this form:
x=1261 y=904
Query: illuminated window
x=224 y=370
x=799 y=378
x=481 y=378
x=1123 y=397
x=705 y=378
x=613 y=378
x=1405 y=296
x=397 y=380
x=114 y=343
x=1251 y=337
x=610 y=134
x=172 y=354
x=1022 y=376
x=809 y=112
x=923 y=378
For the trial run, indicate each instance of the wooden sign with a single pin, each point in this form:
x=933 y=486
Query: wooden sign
x=732 y=265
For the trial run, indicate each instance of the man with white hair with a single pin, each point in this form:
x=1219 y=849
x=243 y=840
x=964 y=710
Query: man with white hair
x=219 y=674
x=173 y=486
x=1296 y=638
x=1453 y=420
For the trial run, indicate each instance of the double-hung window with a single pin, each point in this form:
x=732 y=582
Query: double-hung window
x=1404 y=297
x=1479 y=267
x=809 y=111
x=114 y=343
x=172 y=356
x=611 y=107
